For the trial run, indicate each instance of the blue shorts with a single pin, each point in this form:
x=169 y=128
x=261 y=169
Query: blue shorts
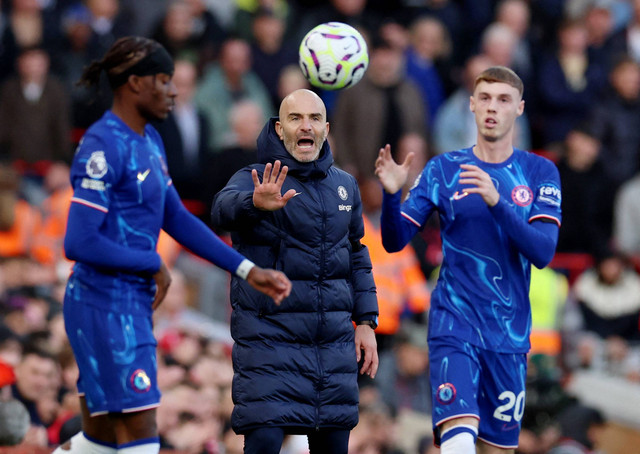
x=468 y=381
x=116 y=356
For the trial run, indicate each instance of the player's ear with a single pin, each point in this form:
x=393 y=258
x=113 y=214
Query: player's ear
x=472 y=104
x=135 y=83
x=521 y=107
x=278 y=127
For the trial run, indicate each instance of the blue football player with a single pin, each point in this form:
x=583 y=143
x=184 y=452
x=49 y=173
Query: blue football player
x=499 y=212
x=122 y=198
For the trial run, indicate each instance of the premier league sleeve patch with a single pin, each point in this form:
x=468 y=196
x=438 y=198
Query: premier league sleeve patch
x=96 y=166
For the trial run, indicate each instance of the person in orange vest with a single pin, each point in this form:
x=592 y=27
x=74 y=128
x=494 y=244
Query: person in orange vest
x=47 y=244
x=18 y=219
x=402 y=287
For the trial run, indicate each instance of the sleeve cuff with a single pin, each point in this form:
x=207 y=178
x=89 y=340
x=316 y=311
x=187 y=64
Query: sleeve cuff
x=243 y=269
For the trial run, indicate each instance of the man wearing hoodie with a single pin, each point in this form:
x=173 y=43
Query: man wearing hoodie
x=296 y=365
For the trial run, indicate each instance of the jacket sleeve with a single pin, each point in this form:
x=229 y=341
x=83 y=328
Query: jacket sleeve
x=232 y=208
x=364 y=289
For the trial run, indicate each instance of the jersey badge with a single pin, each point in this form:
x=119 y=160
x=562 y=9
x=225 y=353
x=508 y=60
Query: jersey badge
x=446 y=393
x=97 y=165
x=342 y=193
x=522 y=195
x=140 y=381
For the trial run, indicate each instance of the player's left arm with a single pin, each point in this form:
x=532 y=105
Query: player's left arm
x=194 y=234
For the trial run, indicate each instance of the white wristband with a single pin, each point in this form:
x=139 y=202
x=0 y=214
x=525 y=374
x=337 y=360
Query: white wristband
x=243 y=269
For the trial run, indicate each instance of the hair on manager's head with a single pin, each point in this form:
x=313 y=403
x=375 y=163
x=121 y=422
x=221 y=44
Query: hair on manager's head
x=500 y=74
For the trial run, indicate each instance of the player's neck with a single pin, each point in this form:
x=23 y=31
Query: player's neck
x=130 y=116
x=493 y=152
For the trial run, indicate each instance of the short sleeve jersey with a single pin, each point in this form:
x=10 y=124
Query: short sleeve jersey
x=483 y=286
x=123 y=174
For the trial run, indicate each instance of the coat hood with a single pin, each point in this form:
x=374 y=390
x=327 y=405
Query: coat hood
x=271 y=148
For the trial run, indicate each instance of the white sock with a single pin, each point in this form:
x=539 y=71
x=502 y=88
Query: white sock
x=459 y=440
x=147 y=446
x=81 y=445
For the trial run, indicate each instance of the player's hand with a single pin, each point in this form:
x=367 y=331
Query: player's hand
x=392 y=176
x=366 y=342
x=163 y=281
x=474 y=175
x=267 y=195
x=270 y=282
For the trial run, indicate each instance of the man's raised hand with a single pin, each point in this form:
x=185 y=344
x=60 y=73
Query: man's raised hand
x=267 y=195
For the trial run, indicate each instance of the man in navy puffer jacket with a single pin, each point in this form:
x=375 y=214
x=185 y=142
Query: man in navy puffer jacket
x=296 y=364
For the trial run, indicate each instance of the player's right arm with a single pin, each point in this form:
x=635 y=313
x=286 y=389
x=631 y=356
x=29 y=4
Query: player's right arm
x=397 y=227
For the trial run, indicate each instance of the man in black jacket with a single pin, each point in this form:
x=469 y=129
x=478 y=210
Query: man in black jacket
x=296 y=365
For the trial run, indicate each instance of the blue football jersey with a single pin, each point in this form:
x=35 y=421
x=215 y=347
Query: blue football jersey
x=123 y=174
x=482 y=291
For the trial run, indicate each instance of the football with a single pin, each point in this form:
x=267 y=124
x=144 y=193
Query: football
x=333 y=55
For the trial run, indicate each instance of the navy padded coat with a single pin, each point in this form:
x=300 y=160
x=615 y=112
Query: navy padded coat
x=295 y=364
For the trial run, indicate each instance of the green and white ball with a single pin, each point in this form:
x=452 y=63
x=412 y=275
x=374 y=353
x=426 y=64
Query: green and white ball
x=333 y=55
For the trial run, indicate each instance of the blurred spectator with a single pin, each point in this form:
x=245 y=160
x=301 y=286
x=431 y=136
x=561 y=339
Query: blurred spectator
x=34 y=113
x=427 y=62
x=454 y=127
x=185 y=134
x=14 y=417
x=608 y=310
x=248 y=9
x=109 y=21
x=598 y=19
x=37 y=384
x=626 y=40
x=8 y=45
x=498 y=42
x=188 y=30
x=626 y=211
x=146 y=14
x=401 y=287
x=581 y=428
x=587 y=197
x=403 y=376
x=548 y=294
x=615 y=121
x=270 y=52
x=29 y=27
x=462 y=20
x=290 y=80
x=568 y=84
x=47 y=243
x=19 y=221
x=226 y=83
x=393 y=109
x=516 y=15
x=10 y=345
x=246 y=119
x=79 y=49
x=351 y=12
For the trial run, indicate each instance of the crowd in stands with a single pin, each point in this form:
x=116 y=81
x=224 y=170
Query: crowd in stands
x=235 y=60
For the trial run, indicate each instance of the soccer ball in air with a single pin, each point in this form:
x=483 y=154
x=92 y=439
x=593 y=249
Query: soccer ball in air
x=333 y=55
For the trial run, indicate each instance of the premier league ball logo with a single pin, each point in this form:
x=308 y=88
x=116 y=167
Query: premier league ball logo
x=140 y=381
